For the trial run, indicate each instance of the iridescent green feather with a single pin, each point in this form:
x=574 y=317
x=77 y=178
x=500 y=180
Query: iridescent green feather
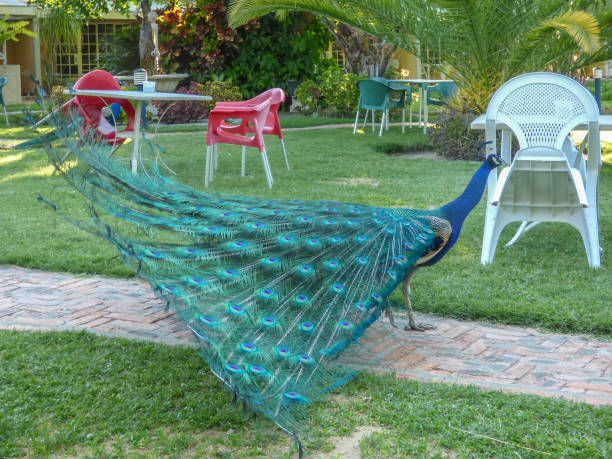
x=274 y=289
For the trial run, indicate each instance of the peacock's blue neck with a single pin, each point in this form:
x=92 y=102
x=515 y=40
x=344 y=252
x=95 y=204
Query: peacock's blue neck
x=456 y=211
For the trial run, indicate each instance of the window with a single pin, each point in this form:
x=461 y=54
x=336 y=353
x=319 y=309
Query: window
x=74 y=61
x=336 y=54
x=430 y=58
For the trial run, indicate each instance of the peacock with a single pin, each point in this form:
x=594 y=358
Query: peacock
x=274 y=290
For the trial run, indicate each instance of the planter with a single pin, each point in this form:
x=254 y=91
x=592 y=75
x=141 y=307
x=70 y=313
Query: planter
x=163 y=83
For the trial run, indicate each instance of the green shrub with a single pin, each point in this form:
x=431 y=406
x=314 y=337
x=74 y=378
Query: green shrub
x=220 y=91
x=452 y=136
x=335 y=92
x=264 y=53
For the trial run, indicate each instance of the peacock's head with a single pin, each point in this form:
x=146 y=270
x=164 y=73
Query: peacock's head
x=494 y=161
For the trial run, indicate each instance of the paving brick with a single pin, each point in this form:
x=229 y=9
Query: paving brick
x=88 y=318
x=408 y=361
x=131 y=325
x=590 y=386
x=98 y=322
x=382 y=346
x=476 y=347
x=136 y=318
x=518 y=370
x=455 y=332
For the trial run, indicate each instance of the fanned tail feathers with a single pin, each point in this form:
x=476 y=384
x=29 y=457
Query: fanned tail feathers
x=273 y=289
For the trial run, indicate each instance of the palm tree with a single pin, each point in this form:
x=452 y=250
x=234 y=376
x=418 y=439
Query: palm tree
x=481 y=43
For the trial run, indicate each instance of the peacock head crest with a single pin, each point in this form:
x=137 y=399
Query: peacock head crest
x=494 y=161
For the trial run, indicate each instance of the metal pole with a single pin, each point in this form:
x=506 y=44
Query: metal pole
x=597 y=77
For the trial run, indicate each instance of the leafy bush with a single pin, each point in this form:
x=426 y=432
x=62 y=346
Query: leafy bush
x=452 y=136
x=336 y=91
x=194 y=111
x=264 y=53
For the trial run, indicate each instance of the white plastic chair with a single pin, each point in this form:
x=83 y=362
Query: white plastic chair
x=549 y=180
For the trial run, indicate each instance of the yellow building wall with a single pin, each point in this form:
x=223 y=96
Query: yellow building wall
x=21 y=53
x=407 y=66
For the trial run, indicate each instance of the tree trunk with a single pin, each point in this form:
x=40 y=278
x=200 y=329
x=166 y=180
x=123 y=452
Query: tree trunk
x=362 y=52
x=146 y=47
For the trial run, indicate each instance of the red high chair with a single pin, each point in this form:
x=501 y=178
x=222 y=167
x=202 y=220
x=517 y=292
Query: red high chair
x=253 y=120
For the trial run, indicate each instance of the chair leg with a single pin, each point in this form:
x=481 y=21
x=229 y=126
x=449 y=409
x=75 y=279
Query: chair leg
x=5 y=115
x=525 y=226
x=357 y=120
x=373 y=122
x=494 y=224
x=420 y=104
x=216 y=156
x=285 y=153
x=410 y=115
x=387 y=120
x=266 y=165
x=208 y=162
x=243 y=161
x=403 y=120
x=382 y=123
x=365 y=120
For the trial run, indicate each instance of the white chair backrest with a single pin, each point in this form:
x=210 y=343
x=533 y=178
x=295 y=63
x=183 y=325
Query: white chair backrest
x=541 y=108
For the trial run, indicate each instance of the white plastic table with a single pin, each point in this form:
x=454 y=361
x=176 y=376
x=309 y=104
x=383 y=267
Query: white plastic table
x=605 y=124
x=139 y=97
x=424 y=85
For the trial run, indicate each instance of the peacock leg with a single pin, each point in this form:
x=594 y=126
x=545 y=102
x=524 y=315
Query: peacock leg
x=389 y=315
x=412 y=325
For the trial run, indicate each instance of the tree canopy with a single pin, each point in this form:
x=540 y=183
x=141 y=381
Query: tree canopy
x=480 y=43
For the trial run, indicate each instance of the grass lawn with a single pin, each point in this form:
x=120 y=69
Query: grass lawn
x=543 y=281
x=75 y=394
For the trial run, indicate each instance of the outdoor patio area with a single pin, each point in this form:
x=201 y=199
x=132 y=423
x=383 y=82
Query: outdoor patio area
x=521 y=362
x=331 y=229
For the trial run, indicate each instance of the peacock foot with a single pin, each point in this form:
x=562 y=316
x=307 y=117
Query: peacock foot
x=413 y=326
x=389 y=314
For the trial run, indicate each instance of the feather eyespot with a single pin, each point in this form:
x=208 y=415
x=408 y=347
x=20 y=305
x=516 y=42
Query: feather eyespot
x=307 y=327
x=300 y=300
x=233 y=368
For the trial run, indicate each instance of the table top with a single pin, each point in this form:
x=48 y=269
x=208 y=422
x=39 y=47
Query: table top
x=135 y=95
x=605 y=123
x=420 y=81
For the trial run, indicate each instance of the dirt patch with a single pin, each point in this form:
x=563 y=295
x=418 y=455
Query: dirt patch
x=418 y=154
x=357 y=181
x=348 y=447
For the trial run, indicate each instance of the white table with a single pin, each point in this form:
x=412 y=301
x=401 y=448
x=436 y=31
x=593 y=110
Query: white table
x=139 y=97
x=605 y=123
x=424 y=85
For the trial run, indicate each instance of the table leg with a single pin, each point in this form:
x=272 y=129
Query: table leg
x=425 y=110
x=420 y=103
x=136 y=139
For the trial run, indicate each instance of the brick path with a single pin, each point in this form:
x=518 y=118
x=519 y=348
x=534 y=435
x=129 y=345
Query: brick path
x=512 y=359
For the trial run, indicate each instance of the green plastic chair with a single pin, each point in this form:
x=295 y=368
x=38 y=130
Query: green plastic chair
x=3 y=82
x=401 y=95
x=444 y=91
x=377 y=94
